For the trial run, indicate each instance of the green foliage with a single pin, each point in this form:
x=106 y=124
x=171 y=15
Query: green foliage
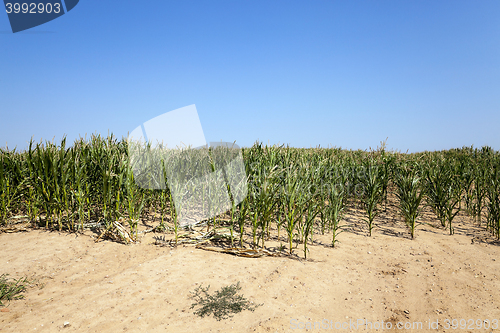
x=444 y=191
x=336 y=207
x=438 y=183
x=11 y=290
x=371 y=179
x=293 y=204
x=493 y=195
x=300 y=191
x=222 y=304
x=410 y=193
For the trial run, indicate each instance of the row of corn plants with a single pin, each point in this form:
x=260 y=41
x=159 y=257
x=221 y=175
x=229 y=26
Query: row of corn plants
x=296 y=192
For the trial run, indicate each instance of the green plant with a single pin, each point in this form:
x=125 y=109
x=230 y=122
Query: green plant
x=222 y=304
x=443 y=189
x=453 y=205
x=135 y=203
x=91 y=181
x=267 y=189
x=242 y=215
x=480 y=183
x=6 y=195
x=372 y=182
x=410 y=193
x=11 y=290
x=436 y=190
x=493 y=195
x=336 y=206
x=307 y=225
x=292 y=198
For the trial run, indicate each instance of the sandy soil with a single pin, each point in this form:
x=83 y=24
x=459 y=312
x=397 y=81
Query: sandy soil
x=111 y=287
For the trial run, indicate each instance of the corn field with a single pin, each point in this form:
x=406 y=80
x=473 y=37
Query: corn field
x=296 y=193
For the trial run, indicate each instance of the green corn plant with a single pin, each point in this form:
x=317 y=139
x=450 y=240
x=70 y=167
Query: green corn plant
x=233 y=176
x=266 y=201
x=479 y=188
x=234 y=206
x=279 y=218
x=312 y=210
x=304 y=173
x=453 y=201
x=293 y=198
x=32 y=209
x=119 y=188
x=372 y=185
x=320 y=187
x=107 y=176
x=410 y=193
x=386 y=167
x=493 y=196
x=254 y=217
x=336 y=206
x=163 y=201
x=62 y=174
x=243 y=210
x=43 y=166
x=164 y=196
x=5 y=190
x=174 y=214
x=467 y=185
x=436 y=191
x=178 y=191
x=5 y=200
x=251 y=205
x=34 y=198
x=12 y=183
x=135 y=202
x=78 y=179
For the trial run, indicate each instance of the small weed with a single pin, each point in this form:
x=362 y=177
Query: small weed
x=11 y=290
x=222 y=304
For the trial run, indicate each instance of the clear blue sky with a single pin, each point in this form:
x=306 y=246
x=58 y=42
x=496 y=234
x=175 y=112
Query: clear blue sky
x=425 y=74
